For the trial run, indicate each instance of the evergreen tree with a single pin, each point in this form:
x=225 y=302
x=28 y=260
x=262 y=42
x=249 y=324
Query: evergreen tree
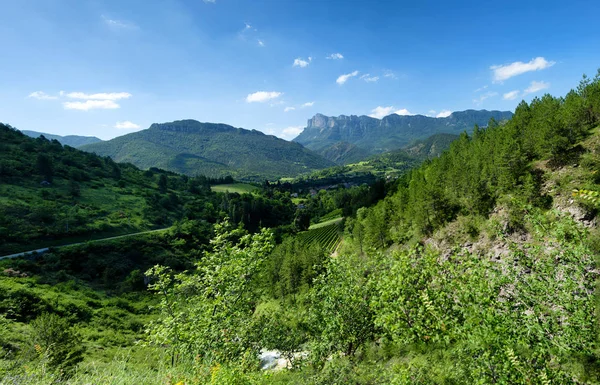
x=45 y=167
x=163 y=183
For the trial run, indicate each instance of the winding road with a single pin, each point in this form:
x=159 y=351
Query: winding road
x=45 y=249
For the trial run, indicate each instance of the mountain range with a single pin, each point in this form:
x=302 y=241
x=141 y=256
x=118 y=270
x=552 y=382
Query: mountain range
x=69 y=140
x=346 y=139
x=215 y=150
x=193 y=148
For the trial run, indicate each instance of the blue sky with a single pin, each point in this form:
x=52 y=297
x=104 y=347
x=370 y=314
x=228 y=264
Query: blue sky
x=107 y=68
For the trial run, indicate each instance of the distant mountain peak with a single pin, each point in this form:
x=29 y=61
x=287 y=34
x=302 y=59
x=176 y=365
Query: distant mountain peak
x=212 y=149
x=191 y=126
x=68 y=140
x=372 y=136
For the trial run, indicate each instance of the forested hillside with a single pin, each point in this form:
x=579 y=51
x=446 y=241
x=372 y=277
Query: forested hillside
x=510 y=161
x=215 y=150
x=480 y=267
x=389 y=165
x=52 y=194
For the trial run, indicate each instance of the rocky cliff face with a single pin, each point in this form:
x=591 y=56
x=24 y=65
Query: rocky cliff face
x=373 y=136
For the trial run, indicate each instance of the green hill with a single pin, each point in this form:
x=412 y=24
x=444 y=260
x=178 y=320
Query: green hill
x=416 y=152
x=193 y=148
x=343 y=153
x=431 y=147
x=69 y=140
x=388 y=165
x=52 y=194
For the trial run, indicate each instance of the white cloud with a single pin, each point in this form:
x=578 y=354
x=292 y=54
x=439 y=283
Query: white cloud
x=503 y=72
x=369 y=79
x=389 y=74
x=289 y=109
x=483 y=97
x=535 y=87
x=247 y=29
x=92 y=101
x=41 y=95
x=481 y=88
x=99 y=96
x=380 y=112
x=512 y=95
x=443 y=114
x=299 y=62
x=335 y=56
x=307 y=104
x=262 y=96
x=126 y=125
x=261 y=43
x=403 y=112
x=291 y=132
x=119 y=24
x=344 y=78
x=91 y=105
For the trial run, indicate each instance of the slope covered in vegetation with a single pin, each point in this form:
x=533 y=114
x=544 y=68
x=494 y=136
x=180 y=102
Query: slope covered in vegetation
x=52 y=194
x=472 y=271
x=215 y=150
x=477 y=267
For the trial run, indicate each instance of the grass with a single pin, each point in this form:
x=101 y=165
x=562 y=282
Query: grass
x=240 y=188
x=325 y=223
x=100 y=212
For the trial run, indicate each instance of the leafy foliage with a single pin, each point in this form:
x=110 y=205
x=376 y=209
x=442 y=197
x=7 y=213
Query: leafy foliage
x=341 y=318
x=57 y=343
x=514 y=320
x=293 y=266
x=220 y=297
x=592 y=196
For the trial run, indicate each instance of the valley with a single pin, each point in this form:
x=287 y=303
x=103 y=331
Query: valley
x=325 y=263
x=267 y=192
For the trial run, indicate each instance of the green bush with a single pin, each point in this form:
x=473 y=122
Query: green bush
x=57 y=343
x=22 y=304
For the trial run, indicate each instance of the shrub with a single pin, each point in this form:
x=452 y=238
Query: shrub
x=57 y=343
